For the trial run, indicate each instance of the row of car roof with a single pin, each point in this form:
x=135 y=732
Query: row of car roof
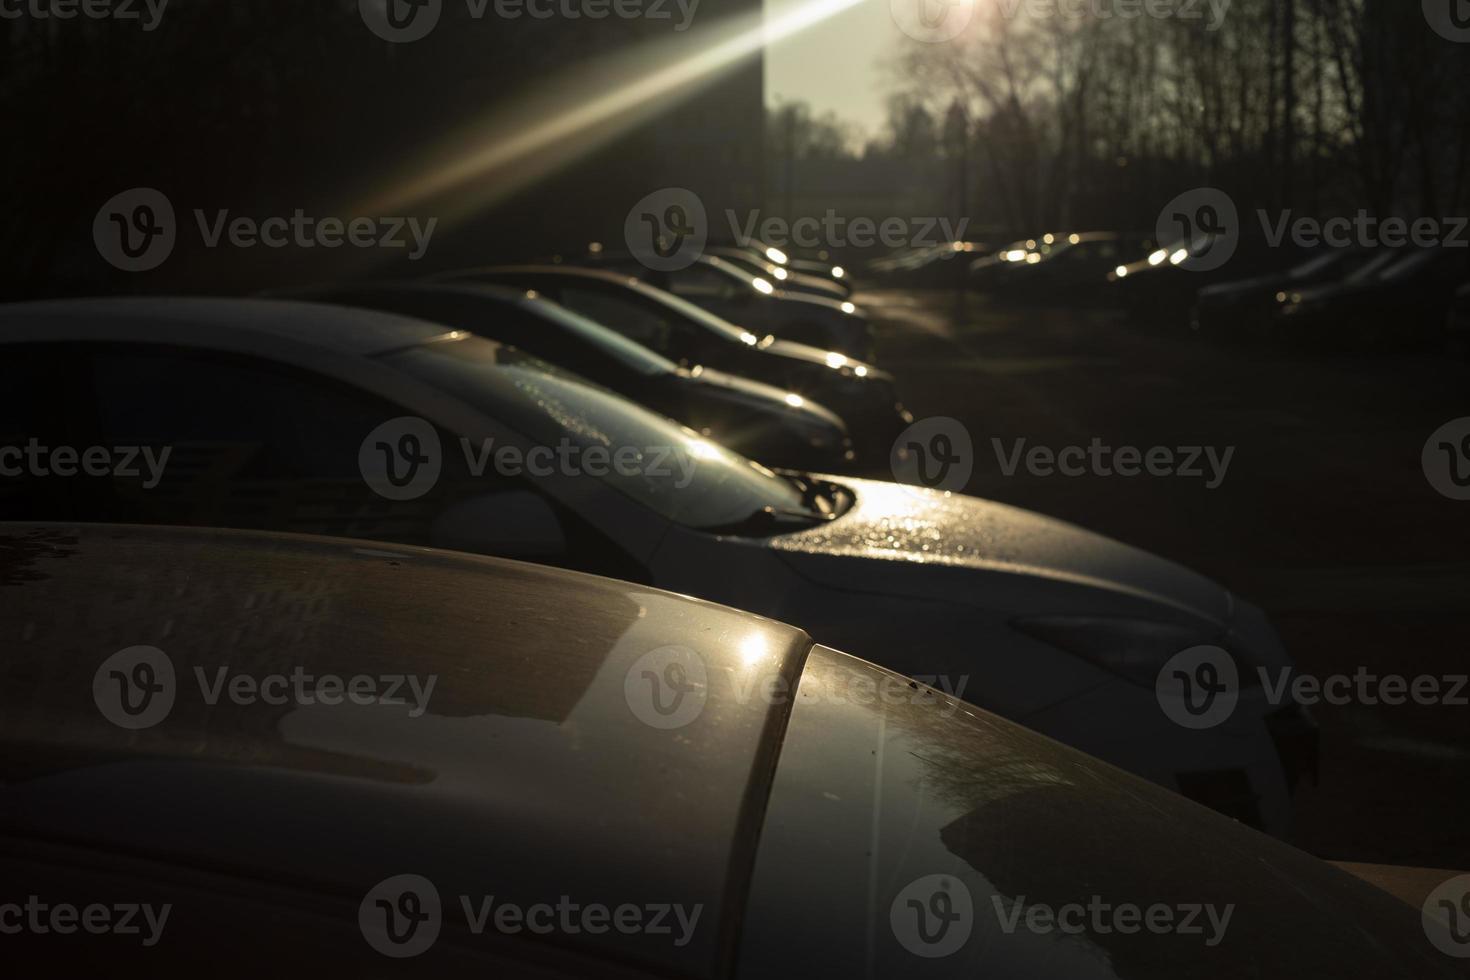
x=1356 y=296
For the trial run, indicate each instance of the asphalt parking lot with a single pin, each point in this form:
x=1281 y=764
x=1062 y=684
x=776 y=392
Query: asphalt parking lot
x=1324 y=516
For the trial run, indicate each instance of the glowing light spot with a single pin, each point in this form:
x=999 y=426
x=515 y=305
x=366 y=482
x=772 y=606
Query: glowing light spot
x=795 y=400
x=779 y=273
x=1179 y=256
x=1033 y=258
x=1121 y=272
x=749 y=338
x=763 y=285
x=1074 y=239
x=1157 y=258
x=836 y=360
x=1049 y=238
x=777 y=256
x=838 y=272
x=849 y=308
x=861 y=371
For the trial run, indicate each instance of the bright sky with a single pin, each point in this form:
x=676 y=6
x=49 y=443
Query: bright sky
x=834 y=65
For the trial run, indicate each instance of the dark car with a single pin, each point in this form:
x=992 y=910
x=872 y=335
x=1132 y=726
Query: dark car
x=756 y=302
x=777 y=427
x=822 y=267
x=864 y=396
x=1398 y=302
x=1159 y=289
x=780 y=275
x=928 y=266
x=243 y=754
x=1066 y=267
x=1243 y=307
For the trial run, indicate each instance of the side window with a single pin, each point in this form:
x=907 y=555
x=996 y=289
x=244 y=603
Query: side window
x=645 y=326
x=701 y=282
x=233 y=441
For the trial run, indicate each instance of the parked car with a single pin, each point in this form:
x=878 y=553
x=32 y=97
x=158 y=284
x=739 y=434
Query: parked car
x=757 y=303
x=778 y=427
x=1398 y=303
x=499 y=769
x=866 y=397
x=389 y=428
x=783 y=276
x=1244 y=307
x=1064 y=267
x=822 y=266
x=929 y=266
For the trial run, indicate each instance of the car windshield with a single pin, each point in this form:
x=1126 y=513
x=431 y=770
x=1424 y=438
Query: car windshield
x=690 y=311
x=626 y=352
x=683 y=477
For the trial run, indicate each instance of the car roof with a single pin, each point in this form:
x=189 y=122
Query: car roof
x=540 y=768
x=543 y=269
x=338 y=329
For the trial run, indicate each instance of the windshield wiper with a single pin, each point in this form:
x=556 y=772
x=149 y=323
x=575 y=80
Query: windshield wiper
x=769 y=520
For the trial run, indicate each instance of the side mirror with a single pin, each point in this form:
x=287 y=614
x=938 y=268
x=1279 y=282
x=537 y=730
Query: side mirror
x=508 y=524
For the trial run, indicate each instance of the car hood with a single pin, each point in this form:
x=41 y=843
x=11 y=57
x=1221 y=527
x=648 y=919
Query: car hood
x=891 y=528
